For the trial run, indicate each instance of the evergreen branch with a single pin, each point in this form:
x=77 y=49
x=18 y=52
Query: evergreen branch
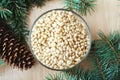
x=80 y=6
x=38 y=3
x=32 y=3
x=102 y=36
x=99 y=67
x=18 y=20
x=106 y=49
x=15 y=13
x=4 y=12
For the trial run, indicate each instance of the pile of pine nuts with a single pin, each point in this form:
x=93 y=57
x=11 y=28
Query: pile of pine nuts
x=59 y=39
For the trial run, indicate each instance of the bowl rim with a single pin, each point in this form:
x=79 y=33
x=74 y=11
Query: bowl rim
x=88 y=31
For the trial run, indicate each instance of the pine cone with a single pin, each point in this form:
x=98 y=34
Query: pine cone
x=13 y=51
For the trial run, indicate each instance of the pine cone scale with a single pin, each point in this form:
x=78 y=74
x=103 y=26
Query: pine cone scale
x=13 y=51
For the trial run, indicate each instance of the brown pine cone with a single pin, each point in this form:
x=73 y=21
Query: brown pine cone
x=13 y=51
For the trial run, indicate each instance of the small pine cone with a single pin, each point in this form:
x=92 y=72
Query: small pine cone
x=13 y=51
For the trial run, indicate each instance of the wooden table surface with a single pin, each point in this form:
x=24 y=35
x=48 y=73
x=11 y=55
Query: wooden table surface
x=106 y=18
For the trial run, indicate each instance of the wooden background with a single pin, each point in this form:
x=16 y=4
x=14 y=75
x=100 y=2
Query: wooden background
x=106 y=18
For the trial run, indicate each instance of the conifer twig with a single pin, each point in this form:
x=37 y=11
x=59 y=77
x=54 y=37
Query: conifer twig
x=81 y=6
x=100 y=68
x=101 y=34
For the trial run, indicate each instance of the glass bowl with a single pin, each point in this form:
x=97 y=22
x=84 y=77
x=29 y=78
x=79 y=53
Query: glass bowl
x=88 y=32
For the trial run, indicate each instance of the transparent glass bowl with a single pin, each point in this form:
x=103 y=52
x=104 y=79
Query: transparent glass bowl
x=88 y=32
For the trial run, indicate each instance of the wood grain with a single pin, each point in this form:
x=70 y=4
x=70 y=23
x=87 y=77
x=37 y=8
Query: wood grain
x=106 y=18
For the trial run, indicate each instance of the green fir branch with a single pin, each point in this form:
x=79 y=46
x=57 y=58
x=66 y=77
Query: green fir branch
x=103 y=37
x=4 y=12
x=18 y=20
x=32 y=3
x=100 y=68
x=109 y=55
x=38 y=3
x=15 y=13
x=81 y=6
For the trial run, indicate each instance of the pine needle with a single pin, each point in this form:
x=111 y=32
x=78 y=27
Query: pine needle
x=4 y=12
x=81 y=6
